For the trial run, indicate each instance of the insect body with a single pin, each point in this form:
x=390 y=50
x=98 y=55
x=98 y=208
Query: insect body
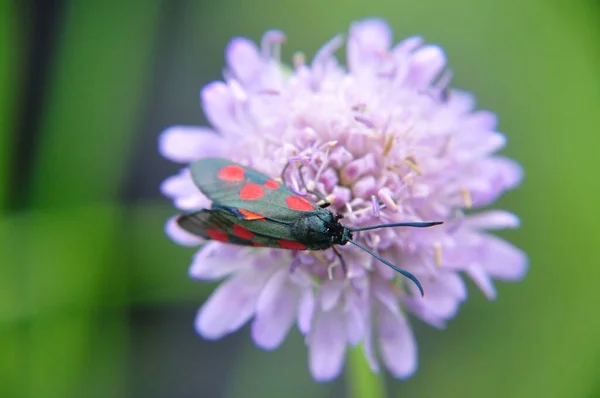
x=251 y=209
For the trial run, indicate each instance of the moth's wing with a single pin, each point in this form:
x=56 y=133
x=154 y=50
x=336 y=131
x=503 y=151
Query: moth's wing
x=218 y=224
x=252 y=192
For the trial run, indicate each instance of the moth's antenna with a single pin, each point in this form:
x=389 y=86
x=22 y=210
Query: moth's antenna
x=399 y=224
x=392 y=266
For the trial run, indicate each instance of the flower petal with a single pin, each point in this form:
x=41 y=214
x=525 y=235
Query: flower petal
x=216 y=260
x=243 y=59
x=426 y=64
x=275 y=311
x=355 y=317
x=330 y=294
x=442 y=300
x=368 y=343
x=179 y=235
x=503 y=260
x=493 y=219
x=367 y=41
x=185 y=144
x=483 y=281
x=327 y=346
x=220 y=108
x=397 y=343
x=185 y=194
x=231 y=305
x=306 y=309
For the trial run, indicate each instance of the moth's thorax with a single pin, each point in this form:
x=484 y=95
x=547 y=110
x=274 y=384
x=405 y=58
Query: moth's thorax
x=320 y=230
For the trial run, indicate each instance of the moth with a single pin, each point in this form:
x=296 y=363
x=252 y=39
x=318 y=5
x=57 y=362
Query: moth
x=252 y=209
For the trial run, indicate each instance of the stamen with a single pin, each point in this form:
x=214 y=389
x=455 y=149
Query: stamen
x=328 y=145
x=442 y=86
x=328 y=50
x=466 y=196
x=376 y=207
x=270 y=91
x=299 y=60
x=389 y=143
x=411 y=162
x=365 y=121
x=446 y=147
x=359 y=107
x=437 y=254
x=271 y=44
x=330 y=270
x=386 y=197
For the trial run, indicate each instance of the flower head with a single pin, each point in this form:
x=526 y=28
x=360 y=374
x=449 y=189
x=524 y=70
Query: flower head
x=387 y=141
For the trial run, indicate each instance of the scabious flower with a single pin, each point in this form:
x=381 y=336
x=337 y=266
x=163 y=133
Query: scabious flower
x=390 y=142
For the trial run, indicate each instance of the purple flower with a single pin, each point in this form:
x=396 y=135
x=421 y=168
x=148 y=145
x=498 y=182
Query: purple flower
x=389 y=142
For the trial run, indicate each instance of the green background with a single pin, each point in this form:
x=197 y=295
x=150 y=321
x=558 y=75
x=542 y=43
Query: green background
x=95 y=300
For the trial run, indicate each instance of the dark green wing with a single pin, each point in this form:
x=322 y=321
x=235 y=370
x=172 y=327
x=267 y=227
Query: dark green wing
x=221 y=225
x=253 y=193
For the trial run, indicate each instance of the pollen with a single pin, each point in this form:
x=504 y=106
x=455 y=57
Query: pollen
x=411 y=162
x=389 y=143
x=437 y=254
x=466 y=197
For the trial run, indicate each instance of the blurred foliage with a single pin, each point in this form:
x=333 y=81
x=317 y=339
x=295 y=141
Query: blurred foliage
x=95 y=301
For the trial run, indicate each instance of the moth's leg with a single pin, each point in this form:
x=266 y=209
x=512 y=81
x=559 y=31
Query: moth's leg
x=317 y=194
x=342 y=262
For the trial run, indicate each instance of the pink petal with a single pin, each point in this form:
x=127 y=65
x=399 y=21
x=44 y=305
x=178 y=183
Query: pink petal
x=397 y=343
x=231 y=305
x=483 y=281
x=306 y=308
x=275 y=311
x=368 y=41
x=426 y=64
x=368 y=347
x=491 y=177
x=503 y=260
x=185 y=144
x=184 y=193
x=355 y=317
x=179 y=235
x=216 y=260
x=243 y=59
x=442 y=298
x=327 y=346
x=493 y=219
x=476 y=144
x=330 y=294
x=220 y=108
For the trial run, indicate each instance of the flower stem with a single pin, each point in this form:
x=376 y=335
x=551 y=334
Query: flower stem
x=361 y=382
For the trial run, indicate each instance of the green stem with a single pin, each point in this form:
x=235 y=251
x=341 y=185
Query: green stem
x=361 y=382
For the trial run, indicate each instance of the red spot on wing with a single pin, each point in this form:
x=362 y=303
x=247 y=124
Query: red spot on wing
x=290 y=244
x=256 y=244
x=217 y=235
x=232 y=173
x=242 y=232
x=252 y=192
x=248 y=215
x=271 y=184
x=298 y=203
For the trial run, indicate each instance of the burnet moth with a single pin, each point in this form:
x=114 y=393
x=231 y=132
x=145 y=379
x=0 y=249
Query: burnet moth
x=252 y=209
